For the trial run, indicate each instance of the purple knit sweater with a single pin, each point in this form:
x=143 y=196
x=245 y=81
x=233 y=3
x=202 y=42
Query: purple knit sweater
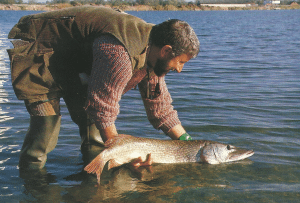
x=112 y=76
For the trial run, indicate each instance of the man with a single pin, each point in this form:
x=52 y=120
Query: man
x=60 y=51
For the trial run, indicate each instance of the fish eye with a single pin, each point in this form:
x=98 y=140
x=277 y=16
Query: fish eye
x=228 y=147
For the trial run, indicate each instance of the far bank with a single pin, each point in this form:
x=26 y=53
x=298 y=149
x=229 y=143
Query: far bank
x=187 y=7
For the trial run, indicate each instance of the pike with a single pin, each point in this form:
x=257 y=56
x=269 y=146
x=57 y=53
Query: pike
x=124 y=149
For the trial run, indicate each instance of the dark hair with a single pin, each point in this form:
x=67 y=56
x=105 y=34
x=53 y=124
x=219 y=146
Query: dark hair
x=178 y=34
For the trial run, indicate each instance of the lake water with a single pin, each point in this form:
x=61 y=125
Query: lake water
x=242 y=89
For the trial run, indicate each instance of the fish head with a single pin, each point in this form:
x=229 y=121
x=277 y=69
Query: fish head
x=216 y=153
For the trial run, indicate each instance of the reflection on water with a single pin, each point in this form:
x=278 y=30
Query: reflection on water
x=167 y=183
x=158 y=183
x=41 y=185
x=4 y=74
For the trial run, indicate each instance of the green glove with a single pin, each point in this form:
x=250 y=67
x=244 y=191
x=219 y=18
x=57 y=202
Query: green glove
x=185 y=136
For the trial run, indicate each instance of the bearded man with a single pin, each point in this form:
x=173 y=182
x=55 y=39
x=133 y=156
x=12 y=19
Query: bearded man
x=90 y=57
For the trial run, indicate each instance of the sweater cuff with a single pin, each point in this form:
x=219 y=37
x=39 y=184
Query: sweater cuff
x=169 y=124
x=103 y=125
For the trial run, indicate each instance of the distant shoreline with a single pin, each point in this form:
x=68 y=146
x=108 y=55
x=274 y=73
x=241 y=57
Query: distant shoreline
x=188 y=7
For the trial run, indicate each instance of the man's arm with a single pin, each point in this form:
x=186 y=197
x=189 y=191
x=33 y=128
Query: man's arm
x=108 y=133
x=160 y=111
x=176 y=132
x=110 y=74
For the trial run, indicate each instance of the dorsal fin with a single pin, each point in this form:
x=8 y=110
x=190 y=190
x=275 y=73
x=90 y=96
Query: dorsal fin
x=116 y=139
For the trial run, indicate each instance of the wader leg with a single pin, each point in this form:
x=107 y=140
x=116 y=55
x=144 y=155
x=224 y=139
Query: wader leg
x=41 y=138
x=91 y=141
x=90 y=135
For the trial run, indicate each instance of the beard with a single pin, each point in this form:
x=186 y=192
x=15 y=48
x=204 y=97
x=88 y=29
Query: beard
x=161 y=67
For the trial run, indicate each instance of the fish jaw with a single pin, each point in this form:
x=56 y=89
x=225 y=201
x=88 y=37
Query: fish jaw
x=240 y=154
x=216 y=153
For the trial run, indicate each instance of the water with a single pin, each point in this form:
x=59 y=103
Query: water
x=242 y=89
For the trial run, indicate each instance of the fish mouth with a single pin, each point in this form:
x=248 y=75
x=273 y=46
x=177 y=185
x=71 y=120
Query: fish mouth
x=240 y=154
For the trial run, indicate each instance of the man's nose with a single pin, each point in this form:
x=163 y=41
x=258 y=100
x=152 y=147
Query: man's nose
x=178 y=69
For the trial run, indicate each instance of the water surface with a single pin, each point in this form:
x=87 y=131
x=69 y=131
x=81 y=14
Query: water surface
x=242 y=89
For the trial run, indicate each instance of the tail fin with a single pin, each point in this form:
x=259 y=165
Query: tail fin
x=96 y=166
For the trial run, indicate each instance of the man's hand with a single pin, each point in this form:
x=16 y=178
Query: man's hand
x=108 y=132
x=139 y=162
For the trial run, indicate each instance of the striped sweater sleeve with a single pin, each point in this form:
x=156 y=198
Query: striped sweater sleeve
x=110 y=74
x=160 y=111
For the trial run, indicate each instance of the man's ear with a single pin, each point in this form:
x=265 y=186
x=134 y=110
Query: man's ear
x=166 y=52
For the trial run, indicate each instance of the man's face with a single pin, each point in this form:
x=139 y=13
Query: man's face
x=162 y=67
